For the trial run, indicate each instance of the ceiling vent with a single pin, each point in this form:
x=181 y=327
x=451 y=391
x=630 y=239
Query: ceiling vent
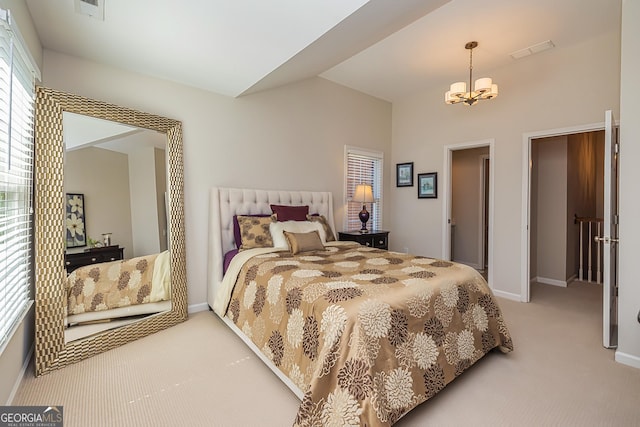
x=536 y=48
x=92 y=8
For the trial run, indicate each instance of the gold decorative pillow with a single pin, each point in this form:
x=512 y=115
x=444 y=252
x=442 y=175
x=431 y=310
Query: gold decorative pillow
x=302 y=242
x=328 y=233
x=254 y=232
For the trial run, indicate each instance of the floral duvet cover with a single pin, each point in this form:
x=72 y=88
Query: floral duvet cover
x=366 y=334
x=115 y=284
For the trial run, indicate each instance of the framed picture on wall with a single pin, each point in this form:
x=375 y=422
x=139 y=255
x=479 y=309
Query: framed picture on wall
x=404 y=174
x=428 y=185
x=76 y=235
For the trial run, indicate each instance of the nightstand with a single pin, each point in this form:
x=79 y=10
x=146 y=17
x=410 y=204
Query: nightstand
x=375 y=238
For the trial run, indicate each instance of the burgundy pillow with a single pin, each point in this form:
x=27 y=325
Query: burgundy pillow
x=237 y=236
x=290 y=213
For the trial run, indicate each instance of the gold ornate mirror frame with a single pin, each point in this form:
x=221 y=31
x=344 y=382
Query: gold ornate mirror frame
x=51 y=352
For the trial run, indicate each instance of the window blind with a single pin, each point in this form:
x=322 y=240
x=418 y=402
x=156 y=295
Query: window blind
x=363 y=167
x=17 y=96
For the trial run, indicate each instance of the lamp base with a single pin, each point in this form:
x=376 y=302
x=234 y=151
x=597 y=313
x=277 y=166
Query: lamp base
x=364 y=217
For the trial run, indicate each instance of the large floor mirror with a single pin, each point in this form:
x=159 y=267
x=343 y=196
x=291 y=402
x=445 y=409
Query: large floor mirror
x=109 y=227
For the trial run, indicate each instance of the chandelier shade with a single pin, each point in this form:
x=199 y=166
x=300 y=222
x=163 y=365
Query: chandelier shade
x=483 y=88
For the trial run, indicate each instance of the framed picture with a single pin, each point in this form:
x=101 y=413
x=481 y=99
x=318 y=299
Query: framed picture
x=404 y=174
x=75 y=232
x=428 y=185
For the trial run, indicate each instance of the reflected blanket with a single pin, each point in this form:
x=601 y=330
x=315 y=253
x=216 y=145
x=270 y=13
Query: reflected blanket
x=366 y=334
x=115 y=284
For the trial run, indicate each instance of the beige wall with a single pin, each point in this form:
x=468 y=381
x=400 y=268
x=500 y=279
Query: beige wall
x=551 y=212
x=103 y=177
x=291 y=137
x=466 y=178
x=530 y=100
x=629 y=326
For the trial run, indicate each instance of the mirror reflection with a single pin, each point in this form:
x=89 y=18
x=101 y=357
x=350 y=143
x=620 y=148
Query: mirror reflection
x=116 y=257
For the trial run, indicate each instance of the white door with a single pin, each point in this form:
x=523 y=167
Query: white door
x=610 y=237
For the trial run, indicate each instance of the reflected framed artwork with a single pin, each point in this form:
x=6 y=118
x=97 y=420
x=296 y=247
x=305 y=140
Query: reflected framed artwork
x=404 y=174
x=74 y=221
x=428 y=185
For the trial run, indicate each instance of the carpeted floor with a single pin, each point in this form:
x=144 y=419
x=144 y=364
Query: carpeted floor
x=200 y=374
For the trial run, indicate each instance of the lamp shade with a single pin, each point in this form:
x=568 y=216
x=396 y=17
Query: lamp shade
x=363 y=193
x=483 y=85
x=458 y=89
x=494 y=90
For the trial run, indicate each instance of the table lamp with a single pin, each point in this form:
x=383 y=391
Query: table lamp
x=363 y=194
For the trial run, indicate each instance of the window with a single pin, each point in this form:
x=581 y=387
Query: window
x=363 y=167
x=17 y=93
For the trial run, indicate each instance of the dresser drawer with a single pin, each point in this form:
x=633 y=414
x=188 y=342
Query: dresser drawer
x=93 y=256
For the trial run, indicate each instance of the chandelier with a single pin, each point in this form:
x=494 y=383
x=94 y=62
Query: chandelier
x=484 y=88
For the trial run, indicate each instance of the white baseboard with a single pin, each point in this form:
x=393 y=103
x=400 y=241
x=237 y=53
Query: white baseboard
x=506 y=295
x=194 y=308
x=628 y=359
x=25 y=366
x=553 y=282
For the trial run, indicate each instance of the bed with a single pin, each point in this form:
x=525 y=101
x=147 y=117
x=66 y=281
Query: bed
x=111 y=294
x=360 y=335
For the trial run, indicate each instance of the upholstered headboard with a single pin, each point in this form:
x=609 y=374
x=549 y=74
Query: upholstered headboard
x=227 y=202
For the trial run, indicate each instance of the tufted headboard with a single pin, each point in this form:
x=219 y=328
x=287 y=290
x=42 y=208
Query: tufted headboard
x=227 y=202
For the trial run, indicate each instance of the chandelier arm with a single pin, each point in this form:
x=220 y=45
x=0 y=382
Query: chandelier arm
x=470 y=71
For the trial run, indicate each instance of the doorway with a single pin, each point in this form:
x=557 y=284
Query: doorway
x=468 y=205
x=566 y=208
x=608 y=236
x=529 y=191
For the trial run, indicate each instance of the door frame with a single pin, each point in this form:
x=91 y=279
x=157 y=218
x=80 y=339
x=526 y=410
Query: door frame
x=446 y=203
x=525 y=290
x=482 y=218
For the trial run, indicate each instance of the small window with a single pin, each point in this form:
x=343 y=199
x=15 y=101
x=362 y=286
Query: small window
x=363 y=167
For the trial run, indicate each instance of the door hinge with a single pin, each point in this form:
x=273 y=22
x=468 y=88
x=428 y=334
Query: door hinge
x=616 y=219
x=616 y=148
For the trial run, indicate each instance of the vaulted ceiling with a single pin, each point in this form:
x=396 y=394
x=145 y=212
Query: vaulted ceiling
x=385 y=48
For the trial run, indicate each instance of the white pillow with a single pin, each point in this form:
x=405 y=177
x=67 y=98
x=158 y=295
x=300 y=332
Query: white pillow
x=277 y=230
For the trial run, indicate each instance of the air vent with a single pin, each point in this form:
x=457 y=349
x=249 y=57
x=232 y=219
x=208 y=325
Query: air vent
x=92 y=8
x=536 y=48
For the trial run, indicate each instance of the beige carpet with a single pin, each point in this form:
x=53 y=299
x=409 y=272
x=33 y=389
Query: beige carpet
x=199 y=374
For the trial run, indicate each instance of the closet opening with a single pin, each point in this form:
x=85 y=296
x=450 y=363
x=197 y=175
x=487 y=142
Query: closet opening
x=468 y=205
